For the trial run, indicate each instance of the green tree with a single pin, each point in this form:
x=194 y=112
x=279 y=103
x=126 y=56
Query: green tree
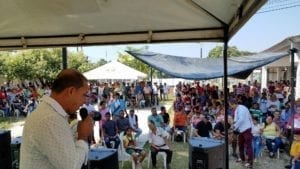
x=232 y=52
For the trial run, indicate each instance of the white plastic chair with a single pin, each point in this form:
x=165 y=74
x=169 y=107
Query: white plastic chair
x=2 y=113
x=277 y=153
x=164 y=156
x=179 y=132
x=123 y=155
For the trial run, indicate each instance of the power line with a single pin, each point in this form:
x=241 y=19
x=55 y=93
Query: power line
x=280 y=5
x=276 y=5
x=277 y=9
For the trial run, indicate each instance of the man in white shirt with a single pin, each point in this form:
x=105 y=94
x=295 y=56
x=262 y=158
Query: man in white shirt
x=243 y=124
x=47 y=141
x=133 y=121
x=158 y=139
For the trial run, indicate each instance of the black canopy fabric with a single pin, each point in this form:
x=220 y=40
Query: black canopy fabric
x=206 y=68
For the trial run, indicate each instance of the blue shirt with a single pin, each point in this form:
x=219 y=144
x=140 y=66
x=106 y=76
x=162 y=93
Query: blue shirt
x=117 y=106
x=110 y=128
x=157 y=119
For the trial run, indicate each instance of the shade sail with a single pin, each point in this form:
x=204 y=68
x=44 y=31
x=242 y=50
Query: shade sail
x=206 y=68
x=44 y=23
x=114 y=70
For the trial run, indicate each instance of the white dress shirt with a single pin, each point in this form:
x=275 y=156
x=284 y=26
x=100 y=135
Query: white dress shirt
x=47 y=141
x=158 y=138
x=242 y=118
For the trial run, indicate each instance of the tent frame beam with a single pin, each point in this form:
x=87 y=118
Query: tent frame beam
x=190 y=35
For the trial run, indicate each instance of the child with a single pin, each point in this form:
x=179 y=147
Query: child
x=295 y=151
x=256 y=112
x=257 y=139
x=129 y=143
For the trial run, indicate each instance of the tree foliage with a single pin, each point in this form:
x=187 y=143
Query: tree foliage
x=41 y=64
x=232 y=52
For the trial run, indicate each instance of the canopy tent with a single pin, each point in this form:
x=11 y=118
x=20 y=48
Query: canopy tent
x=114 y=70
x=59 y=23
x=206 y=68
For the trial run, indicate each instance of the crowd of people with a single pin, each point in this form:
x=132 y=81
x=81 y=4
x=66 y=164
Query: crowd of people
x=256 y=117
x=21 y=99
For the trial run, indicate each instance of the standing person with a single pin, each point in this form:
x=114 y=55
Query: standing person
x=295 y=152
x=243 y=124
x=166 y=91
x=47 y=140
x=257 y=139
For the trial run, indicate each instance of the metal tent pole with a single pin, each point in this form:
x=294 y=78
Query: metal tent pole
x=64 y=58
x=226 y=95
x=292 y=85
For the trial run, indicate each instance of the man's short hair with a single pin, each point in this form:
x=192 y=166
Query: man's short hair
x=68 y=78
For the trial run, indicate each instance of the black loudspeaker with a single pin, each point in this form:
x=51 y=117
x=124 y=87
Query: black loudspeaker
x=15 y=150
x=206 y=153
x=103 y=158
x=5 y=151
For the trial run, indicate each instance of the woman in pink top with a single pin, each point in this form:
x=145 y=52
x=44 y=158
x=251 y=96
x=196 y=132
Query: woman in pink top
x=103 y=109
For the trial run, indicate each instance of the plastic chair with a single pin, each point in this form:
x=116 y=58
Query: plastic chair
x=179 y=132
x=277 y=153
x=164 y=156
x=123 y=155
x=2 y=113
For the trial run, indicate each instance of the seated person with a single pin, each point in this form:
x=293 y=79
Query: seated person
x=4 y=107
x=158 y=140
x=156 y=118
x=133 y=122
x=165 y=115
x=73 y=122
x=129 y=143
x=204 y=127
x=110 y=131
x=122 y=123
x=180 y=120
x=219 y=129
x=180 y=124
x=271 y=133
x=196 y=117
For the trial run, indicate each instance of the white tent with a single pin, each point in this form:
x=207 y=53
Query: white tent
x=114 y=70
x=57 y=23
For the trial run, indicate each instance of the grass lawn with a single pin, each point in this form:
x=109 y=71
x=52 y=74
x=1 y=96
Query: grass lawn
x=7 y=122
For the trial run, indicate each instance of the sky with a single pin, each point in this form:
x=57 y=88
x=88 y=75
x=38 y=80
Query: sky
x=262 y=31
